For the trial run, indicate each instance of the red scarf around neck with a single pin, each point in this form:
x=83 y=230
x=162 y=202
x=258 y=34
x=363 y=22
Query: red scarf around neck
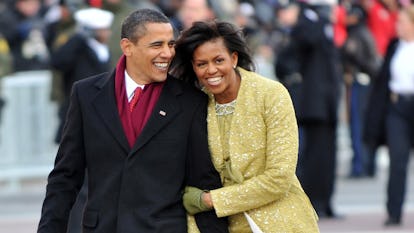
x=133 y=122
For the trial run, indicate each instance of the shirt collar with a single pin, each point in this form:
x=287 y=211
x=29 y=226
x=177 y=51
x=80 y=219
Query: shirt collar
x=130 y=86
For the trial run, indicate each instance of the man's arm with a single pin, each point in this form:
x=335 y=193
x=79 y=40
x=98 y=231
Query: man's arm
x=66 y=178
x=201 y=172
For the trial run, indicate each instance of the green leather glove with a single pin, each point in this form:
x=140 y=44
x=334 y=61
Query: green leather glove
x=192 y=200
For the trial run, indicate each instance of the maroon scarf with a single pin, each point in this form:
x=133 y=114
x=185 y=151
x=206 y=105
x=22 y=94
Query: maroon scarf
x=133 y=122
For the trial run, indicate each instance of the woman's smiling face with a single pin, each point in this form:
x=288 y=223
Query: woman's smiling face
x=214 y=66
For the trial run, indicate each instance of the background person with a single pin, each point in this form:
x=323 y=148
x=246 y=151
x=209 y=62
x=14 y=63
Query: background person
x=85 y=54
x=390 y=114
x=316 y=91
x=27 y=34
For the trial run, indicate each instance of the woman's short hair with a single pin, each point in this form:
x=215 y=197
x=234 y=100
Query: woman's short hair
x=204 y=31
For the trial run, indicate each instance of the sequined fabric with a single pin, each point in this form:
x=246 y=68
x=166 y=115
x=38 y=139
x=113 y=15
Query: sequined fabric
x=261 y=142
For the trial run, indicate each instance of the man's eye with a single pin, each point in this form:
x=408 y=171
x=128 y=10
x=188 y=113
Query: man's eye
x=156 y=45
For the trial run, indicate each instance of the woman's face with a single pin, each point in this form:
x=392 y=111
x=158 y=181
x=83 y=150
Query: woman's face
x=405 y=26
x=214 y=67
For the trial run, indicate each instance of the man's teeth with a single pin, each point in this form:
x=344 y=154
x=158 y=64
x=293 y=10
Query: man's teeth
x=161 y=65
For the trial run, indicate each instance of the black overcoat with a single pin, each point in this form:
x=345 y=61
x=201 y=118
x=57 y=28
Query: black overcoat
x=129 y=190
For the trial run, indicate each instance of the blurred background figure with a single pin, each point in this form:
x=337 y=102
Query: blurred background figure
x=5 y=65
x=191 y=11
x=390 y=114
x=245 y=18
x=27 y=34
x=5 y=56
x=86 y=53
x=360 y=62
x=287 y=63
x=381 y=21
x=381 y=18
x=316 y=97
x=62 y=28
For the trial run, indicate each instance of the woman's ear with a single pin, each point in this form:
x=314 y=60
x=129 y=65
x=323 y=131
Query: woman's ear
x=234 y=59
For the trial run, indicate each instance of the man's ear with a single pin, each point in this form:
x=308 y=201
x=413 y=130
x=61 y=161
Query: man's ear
x=126 y=46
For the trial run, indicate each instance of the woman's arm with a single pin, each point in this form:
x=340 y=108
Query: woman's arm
x=280 y=155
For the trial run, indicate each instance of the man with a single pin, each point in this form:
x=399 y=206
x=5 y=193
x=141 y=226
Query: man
x=312 y=75
x=138 y=156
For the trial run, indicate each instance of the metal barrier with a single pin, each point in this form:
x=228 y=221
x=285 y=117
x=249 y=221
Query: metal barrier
x=28 y=125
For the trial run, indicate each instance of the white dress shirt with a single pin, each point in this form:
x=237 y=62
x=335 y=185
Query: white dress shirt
x=402 y=69
x=130 y=86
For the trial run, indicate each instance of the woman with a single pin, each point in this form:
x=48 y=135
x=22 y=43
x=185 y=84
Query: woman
x=252 y=134
x=390 y=113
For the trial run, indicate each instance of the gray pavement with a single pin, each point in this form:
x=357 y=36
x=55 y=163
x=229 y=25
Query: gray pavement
x=361 y=202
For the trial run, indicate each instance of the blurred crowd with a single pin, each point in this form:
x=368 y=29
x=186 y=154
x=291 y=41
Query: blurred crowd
x=321 y=50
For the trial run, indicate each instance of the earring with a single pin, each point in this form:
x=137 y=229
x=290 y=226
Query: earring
x=234 y=67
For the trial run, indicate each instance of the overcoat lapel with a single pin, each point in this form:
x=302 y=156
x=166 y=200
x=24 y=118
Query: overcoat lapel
x=105 y=105
x=164 y=111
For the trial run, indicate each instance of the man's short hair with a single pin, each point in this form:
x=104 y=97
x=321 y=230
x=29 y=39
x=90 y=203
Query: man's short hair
x=134 y=24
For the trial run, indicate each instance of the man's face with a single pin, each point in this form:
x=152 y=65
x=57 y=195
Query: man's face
x=103 y=35
x=28 y=8
x=288 y=16
x=149 y=58
x=194 y=10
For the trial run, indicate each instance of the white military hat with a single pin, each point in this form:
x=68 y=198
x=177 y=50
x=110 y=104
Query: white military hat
x=94 y=18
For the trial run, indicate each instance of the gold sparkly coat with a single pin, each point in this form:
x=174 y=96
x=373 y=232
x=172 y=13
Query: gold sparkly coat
x=263 y=148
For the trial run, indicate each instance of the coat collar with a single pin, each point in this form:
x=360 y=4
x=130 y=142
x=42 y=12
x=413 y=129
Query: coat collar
x=164 y=111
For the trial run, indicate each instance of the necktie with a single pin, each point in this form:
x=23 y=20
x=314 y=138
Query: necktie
x=135 y=98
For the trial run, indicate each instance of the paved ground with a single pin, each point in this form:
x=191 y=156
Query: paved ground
x=359 y=201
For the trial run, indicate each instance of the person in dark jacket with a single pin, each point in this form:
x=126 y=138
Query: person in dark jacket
x=314 y=76
x=361 y=62
x=139 y=150
x=390 y=114
x=85 y=54
x=26 y=32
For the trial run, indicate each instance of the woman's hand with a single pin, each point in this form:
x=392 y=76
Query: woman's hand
x=196 y=200
x=206 y=199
